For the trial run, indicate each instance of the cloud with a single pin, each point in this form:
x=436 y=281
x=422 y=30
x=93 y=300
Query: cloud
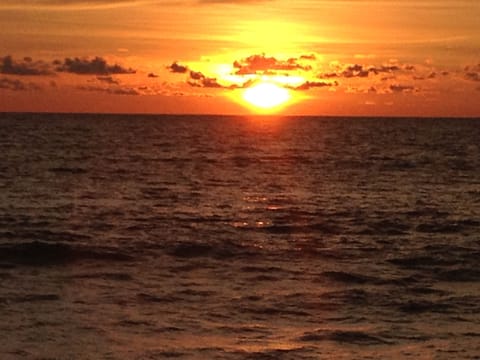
x=360 y=71
x=24 y=67
x=233 y=2
x=152 y=75
x=256 y=64
x=196 y=75
x=472 y=72
x=175 y=67
x=108 y=80
x=396 y=88
x=70 y=4
x=110 y=90
x=473 y=76
x=307 y=85
x=355 y=71
x=308 y=57
x=390 y=77
x=198 y=79
x=17 y=85
x=389 y=69
x=95 y=66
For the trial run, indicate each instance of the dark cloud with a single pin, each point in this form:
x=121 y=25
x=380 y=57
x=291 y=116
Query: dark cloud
x=24 y=67
x=430 y=76
x=261 y=64
x=108 y=80
x=95 y=66
x=196 y=75
x=308 y=57
x=211 y=83
x=17 y=85
x=198 y=79
x=307 y=85
x=384 y=69
x=110 y=90
x=472 y=72
x=402 y=88
x=474 y=76
x=124 y=91
x=355 y=71
x=359 y=71
x=152 y=75
x=177 y=68
x=330 y=75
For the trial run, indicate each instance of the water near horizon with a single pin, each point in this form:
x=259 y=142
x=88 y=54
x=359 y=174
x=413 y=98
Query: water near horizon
x=184 y=237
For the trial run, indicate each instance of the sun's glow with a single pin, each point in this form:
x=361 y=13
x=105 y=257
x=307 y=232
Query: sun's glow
x=266 y=95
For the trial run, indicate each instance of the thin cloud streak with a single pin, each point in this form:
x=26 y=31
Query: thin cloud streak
x=67 y=5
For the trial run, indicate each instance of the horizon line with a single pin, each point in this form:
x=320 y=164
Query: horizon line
x=151 y=114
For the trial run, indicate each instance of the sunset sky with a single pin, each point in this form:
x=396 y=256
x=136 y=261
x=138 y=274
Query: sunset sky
x=342 y=57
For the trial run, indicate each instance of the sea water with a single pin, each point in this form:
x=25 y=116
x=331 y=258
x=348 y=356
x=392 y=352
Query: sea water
x=218 y=237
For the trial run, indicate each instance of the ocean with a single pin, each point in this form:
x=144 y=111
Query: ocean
x=223 y=237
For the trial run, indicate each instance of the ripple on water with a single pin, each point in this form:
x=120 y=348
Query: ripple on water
x=356 y=337
x=39 y=253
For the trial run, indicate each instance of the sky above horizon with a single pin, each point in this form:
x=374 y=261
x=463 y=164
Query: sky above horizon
x=343 y=57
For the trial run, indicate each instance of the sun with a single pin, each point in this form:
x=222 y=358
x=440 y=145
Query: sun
x=266 y=96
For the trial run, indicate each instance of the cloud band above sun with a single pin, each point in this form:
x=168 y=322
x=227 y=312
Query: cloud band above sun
x=335 y=57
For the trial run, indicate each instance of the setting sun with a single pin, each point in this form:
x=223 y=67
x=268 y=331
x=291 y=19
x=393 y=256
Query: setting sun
x=266 y=95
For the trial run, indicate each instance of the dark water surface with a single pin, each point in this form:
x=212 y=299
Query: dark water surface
x=130 y=237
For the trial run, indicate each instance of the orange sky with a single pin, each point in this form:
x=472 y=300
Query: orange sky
x=338 y=57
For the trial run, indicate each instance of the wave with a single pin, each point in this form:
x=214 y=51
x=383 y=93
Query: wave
x=68 y=170
x=422 y=261
x=44 y=234
x=220 y=251
x=300 y=229
x=39 y=253
x=460 y=275
x=149 y=298
x=424 y=306
x=356 y=337
x=349 y=278
x=114 y=276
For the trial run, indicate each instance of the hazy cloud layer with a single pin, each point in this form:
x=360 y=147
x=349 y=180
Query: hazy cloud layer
x=17 y=85
x=108 y=80
x=69 y=4
x=26 y=66
x=234 y=2
x=364 y=78
x=95 y=66
x=110 y=90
